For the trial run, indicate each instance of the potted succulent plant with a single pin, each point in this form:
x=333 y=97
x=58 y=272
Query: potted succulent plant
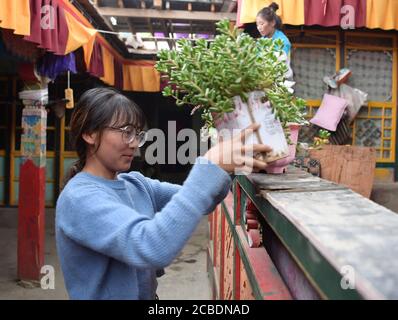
x=233 y=80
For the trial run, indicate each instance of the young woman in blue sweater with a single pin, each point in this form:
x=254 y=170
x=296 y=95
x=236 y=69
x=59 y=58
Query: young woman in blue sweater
x=114 y=231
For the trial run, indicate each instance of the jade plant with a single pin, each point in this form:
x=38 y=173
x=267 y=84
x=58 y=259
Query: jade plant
x=208 y=74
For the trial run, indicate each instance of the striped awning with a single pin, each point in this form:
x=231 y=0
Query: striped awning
x=372 y=14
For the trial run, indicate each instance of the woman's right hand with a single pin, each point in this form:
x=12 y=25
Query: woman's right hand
x=234 y=156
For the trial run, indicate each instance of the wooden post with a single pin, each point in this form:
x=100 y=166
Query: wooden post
x=31 y=207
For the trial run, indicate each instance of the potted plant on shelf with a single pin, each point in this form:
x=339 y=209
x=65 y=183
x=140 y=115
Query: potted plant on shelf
x=236 y=80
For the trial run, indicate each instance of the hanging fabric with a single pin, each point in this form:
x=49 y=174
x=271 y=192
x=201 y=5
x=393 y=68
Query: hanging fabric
x=26 y=72
x=15 y=15
x=109 y=72
x=328 y=13
x=80 y=64
x=382 y=14
x=96 y=67
x=141 y=78
x=290 y=11
x=79 y=35
x=118 y=71
x=51 y=65
x=48 y=29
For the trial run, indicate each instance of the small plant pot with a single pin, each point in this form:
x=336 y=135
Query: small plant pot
x=280 y=166
x=256 y=111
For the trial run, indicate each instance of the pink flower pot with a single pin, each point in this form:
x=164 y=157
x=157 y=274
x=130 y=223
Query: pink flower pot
x=255 y=110
x=280 y=166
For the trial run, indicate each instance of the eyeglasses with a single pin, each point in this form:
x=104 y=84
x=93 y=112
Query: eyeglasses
x=129 y=134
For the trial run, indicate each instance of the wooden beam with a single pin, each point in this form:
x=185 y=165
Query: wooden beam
x=129 y=23
x=166 y=14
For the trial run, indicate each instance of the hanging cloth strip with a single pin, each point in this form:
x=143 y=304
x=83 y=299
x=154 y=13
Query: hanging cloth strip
x=141 y=78
x=290 y=11
x=79 y=35
x=328 y=14
x=109 y=70
x=15 y=15
x=48 y=29
x=118 y=71
x=382 y=14
x=96 y=67
x=51 y=65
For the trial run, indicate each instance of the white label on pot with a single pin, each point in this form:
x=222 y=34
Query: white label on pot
x=271 y=132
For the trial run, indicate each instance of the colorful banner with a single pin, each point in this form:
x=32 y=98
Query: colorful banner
x=15 y=15
x=58 y=27
x=382 y=14
x=371 y=14
x=141 y=78
x=290 y=11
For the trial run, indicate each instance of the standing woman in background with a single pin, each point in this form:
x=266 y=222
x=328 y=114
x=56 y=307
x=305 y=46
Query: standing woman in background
x=269 y=24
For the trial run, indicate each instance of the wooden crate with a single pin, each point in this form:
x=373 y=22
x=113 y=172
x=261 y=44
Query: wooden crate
x=353 y=167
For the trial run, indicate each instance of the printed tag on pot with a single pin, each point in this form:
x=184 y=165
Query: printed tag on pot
x=270 y=133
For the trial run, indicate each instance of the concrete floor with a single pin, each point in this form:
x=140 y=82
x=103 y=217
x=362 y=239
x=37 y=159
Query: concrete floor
x=185 y=279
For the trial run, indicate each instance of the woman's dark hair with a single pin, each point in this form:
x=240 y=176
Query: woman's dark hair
x=269 y=14
x=97 y=109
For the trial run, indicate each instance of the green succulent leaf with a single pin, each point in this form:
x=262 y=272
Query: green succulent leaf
x=210 y=74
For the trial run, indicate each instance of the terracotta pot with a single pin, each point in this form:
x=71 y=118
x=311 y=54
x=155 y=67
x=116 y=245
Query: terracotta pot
x=280 y=166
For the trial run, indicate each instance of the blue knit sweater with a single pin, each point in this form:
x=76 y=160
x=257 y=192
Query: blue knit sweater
x=112 y=235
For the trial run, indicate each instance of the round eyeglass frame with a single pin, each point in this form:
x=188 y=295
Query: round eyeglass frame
x=141 y=136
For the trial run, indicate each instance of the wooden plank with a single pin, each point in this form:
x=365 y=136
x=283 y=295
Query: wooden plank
x=228 y=263
x=352 y=231
x=209 y=269
x=265 y=280
x=295 y=181
x=351 y=166
x=218 y=240
x=246 y=291
x=166 y=14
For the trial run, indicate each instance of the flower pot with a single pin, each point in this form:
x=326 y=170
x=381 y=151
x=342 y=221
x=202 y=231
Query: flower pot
x=280 y=166
x=255 y=111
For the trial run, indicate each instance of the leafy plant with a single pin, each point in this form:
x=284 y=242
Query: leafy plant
x=208 y=75
x=321 y=139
